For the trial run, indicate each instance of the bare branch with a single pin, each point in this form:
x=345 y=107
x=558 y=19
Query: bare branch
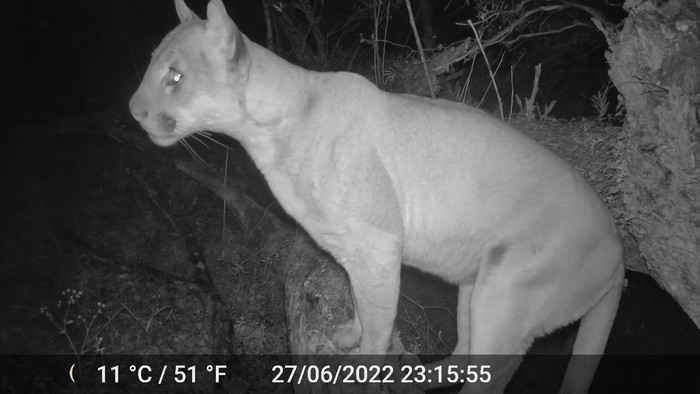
x=520 y=21
x=541 y=33
x=594 y=13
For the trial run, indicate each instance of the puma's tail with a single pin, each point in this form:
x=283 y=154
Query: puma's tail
x=591 y=339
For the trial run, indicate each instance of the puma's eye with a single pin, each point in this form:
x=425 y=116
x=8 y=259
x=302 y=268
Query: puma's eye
x=174 y=77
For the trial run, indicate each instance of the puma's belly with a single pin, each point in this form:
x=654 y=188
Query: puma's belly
x=448 y=230
x=454 y=235
x=452 y=227
x=454 y=260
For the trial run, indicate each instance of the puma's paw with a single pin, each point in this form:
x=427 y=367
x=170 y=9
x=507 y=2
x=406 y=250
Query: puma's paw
x=346 y=336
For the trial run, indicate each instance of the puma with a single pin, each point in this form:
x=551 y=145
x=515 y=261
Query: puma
x=378 y=179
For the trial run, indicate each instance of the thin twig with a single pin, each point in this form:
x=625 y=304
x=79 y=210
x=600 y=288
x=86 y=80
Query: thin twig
x=150 y=321
x=420 y=49
x=512 y=93
x=114 y=315
x=425 y=316
x=465 y=88
x=223 y=212
x=375 y=47
x=386 y=29
x=486 y=60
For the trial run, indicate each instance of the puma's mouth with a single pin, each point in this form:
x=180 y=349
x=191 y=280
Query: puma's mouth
x=161 y=129
x=161 y=140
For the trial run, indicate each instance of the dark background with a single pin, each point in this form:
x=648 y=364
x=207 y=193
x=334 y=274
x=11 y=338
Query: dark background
x=68 y=57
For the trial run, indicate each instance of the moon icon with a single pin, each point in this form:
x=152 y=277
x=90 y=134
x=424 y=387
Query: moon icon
x=70 y=373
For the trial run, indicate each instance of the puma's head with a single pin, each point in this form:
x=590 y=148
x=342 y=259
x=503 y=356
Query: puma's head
x=196 y=78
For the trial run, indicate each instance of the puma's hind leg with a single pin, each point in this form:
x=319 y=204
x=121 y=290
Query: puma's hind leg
x=491 y=339
x=499 y=333
x=464 y=312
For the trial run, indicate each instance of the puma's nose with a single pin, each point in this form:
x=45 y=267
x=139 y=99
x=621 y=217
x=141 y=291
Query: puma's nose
x=137 y=110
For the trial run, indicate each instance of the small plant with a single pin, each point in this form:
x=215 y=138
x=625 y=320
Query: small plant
x=526 y=107
x=544 y=115
x=601 y=105
x=527 y=110
x=389 y=74
x=74 y=320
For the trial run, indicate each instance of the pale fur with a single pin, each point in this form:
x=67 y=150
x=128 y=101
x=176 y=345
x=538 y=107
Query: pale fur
x=377 y=179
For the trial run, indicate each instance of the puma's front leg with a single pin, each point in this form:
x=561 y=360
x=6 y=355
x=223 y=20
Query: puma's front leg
x=374 y=273
x=347 y=335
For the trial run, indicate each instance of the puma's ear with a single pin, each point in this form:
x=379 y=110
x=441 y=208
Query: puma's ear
x=219 y=21
x=221 y=25
x=184 y=12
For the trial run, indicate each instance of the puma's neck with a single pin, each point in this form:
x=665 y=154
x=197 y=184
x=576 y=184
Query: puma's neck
x=278 y=100
x=277 y=97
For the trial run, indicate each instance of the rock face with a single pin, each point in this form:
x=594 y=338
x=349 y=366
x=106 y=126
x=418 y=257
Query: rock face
x=655 y=64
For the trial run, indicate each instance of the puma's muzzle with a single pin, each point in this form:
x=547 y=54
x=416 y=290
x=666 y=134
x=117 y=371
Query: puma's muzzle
x=159 y=125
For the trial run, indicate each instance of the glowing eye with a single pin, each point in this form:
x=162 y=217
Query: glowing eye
x=174 y=77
